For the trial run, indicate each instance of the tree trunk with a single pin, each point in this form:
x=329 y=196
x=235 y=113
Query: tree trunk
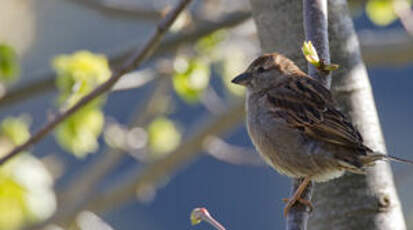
x=356 y=201
x=353 y=201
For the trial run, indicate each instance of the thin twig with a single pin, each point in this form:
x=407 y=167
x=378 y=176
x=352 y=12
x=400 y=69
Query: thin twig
x=315 y=29
x=46 y=84
x=73 y=196
x=129 y=65
x=223 y=151
x=388 y=49
x=403 y=11
x=201 y=214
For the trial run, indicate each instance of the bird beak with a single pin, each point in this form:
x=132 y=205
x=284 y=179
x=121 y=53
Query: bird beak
x=242 y=79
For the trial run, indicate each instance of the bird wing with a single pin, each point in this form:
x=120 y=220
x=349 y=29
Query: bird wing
x=308 y=106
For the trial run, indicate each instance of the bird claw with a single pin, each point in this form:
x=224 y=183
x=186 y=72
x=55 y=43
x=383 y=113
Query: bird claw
x=291 y=203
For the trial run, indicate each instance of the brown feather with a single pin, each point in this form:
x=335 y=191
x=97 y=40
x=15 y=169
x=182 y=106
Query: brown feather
x=308 y=106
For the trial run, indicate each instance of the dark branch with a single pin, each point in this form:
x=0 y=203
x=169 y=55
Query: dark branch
x=128 y=66
x=378 y=49
x=45 y=85
x=73 y=196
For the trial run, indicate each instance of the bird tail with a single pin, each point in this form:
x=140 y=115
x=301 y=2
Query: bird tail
x=375 y=156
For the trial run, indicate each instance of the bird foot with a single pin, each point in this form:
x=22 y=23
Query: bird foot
x=291 y=202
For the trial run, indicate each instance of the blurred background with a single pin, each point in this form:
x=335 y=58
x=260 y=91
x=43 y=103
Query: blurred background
x=171 y=136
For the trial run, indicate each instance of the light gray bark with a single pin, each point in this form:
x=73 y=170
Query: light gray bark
x=316 y=30
x=356 y=201
x=353 y=201
x=280 y=29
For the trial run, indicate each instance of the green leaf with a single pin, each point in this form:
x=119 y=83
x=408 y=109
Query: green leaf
x=207 y=43
x=16 y=129
x=9 y=64
x=310 y=53
x=195 y=216
x=164 y=136
x=78 y=74
x=79 y=133
x=190 y=79
x=331 y=67
x=26 y=193
x=36 y=184
x=13 y=207
x=381 y=12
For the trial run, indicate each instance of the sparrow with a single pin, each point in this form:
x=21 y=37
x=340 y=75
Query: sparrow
x=296 y=127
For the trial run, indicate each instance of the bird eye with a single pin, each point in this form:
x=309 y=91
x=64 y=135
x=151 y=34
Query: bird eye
x=260 y=69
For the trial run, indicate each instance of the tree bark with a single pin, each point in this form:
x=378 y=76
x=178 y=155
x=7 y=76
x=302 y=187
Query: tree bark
x=353 y=201
x=356 y=201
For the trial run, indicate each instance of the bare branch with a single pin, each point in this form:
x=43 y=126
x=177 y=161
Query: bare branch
x=223 y=151
x=46 y=84
x=140 y=179
x=297 y=218
x=405 y=14
x=315 y=29
x=29 y=90
x=73 y=196
x=113 y=10
x=129 y=65
x=201 y=214
x=378 y=49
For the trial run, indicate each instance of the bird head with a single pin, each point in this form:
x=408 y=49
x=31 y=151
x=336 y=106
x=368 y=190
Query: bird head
x=266 y=71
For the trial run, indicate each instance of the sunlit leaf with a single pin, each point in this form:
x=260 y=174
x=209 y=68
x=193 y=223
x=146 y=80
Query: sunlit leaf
x=310 y=53
x=79 y=133
x=79 y=73
x=207 y=43
x=381 y=12
x=16 y=128
x=9 y=64
x=163 y=136
x=26 y=193
x=13 y=208
x=37 y=182
x=191 y=79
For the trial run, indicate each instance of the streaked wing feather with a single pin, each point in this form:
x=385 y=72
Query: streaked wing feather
x=306 y=105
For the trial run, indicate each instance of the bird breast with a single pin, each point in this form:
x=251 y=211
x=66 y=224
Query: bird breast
x=286 y=149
